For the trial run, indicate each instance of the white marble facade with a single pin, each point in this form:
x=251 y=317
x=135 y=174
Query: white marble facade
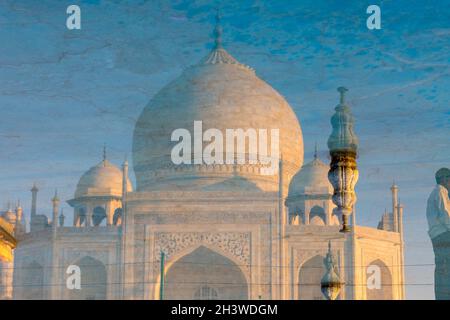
x=227 y=231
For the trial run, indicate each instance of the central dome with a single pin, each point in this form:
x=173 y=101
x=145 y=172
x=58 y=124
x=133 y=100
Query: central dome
x=223 y=94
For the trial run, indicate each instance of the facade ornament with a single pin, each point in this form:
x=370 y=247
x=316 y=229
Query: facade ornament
x=343 y=173
x=236 y=244
x=331 y=283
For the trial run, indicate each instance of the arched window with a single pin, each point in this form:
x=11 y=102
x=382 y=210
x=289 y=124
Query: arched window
x=33 y=282
x=310 y=275
x=317 y=216
x=98 y=216
x=81 y=217
x=206 y=293
x=93 y=280
x=117 y=218
x=202 y=266
x=379 y=281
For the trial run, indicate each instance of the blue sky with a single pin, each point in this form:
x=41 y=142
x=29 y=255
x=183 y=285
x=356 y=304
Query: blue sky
x=65 y=93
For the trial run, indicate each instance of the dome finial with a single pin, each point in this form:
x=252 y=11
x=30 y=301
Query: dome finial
x=218 y=31
x=315 y=151
x=342 y=91
x=104 y=153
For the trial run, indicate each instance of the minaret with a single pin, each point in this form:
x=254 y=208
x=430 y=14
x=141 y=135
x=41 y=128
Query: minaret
x=19 y=218
x=402 y=245
x=124 y=183
x=34 y=191
x=123 y=229
x=55 y=203
x=104 y=154
x=400 y=218
x=394 y=190
x=282 y=216
x=343 y=174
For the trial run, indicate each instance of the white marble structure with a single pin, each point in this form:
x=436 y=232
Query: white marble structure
x=227 y=231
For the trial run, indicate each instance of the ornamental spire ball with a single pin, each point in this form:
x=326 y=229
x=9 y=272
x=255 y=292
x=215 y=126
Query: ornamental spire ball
x=330 y=284
x=342 y=137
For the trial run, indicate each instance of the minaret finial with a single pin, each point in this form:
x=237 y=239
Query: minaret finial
x=218 y=31
x=342 y=91
x=55 y=197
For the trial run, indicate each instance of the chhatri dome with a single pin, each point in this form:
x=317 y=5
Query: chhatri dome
x=223 y=94
x=103 y=179
x=311 y=179
x=9 y=215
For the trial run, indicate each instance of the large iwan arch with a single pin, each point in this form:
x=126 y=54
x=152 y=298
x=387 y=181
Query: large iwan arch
x=205 y=274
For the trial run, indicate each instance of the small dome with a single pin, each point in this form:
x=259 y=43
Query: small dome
x=9 y=216
x=104 y=179
x=311 y=179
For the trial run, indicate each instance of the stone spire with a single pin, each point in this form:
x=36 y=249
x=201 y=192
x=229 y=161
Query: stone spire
x=55 y=202
x=34 y=191
x=218 y=54
x=218 y=32
x=394 y=190
x=104 y=155
x=19 y=218
x=124 y=181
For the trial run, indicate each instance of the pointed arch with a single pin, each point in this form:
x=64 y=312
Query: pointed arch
x=33 y=282
x=98 y=216
x=317 y=216
x=117 y=217
x=80 y=216
x=205 y=269
x=379 y=281
x=93 y=280
x=310 y=275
